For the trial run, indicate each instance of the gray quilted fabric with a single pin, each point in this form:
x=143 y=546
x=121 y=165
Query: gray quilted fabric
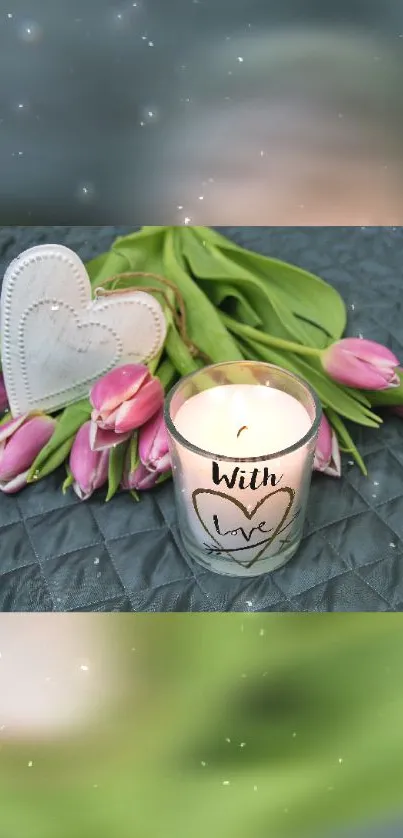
x=57 y=554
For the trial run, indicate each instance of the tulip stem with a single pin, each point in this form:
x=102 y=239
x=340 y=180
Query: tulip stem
x=248 y=332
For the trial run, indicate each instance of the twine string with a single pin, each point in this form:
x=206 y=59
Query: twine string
x=177 y=310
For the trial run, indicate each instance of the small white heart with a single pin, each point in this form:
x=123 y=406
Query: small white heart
x=56 y=341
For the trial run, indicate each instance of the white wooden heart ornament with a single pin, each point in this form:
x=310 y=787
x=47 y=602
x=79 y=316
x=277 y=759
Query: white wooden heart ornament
x=56 y=340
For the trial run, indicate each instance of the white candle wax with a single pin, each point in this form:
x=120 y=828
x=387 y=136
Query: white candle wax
x=246 y=511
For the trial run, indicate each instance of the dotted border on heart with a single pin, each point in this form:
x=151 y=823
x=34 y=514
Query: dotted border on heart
x=80 y=325
x=157 y=321
x=12 y=278
x=20 y=265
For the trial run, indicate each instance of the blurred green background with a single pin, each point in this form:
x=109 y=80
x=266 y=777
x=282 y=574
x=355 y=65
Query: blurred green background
x=199 y=725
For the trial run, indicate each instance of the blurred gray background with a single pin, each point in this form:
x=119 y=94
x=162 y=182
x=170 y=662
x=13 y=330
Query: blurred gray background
x=201 y=111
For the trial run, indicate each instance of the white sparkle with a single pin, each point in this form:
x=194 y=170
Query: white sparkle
x=187 y=220
x=151 y=43
x=226 y=783
x=30 y=764
x=84 y=667
x=240 y=59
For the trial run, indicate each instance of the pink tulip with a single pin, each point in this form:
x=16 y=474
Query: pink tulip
x=327 y=454
x=3 y=395
x=154 y=446
x=360 y=363
x=89 y=468
x=125 y=398
x=140 y=479
x=21 y=440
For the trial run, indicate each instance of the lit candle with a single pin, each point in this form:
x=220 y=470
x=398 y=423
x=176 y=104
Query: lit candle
x=242 y=456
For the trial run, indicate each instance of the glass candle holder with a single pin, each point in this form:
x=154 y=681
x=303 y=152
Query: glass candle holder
x=242 y=440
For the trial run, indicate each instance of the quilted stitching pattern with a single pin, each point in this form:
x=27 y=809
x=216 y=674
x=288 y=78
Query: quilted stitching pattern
x=57 y=554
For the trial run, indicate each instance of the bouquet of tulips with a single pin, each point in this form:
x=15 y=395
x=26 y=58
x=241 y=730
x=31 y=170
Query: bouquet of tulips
x=221 y=303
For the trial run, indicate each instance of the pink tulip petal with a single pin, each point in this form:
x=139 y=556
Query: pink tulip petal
x=8 y=428
x=24 y=446
x=333 y=469
x=89 y=468
x=143 y=479
x=118 y=386
x=101 y=440
x=15 y=484
x=371 y=351
x=323 y=450
x=360 y=363
x=154 y=445
x=327 y=454
x=134 y=413
x=81 y=493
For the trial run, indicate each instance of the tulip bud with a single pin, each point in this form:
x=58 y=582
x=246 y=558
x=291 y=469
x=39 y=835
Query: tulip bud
x=140 y=479
x=327 y=453
x=3 y=395
x=154 y=446
x=126 y=398
x=89 y=468
x=21 y=440
x=360 y=363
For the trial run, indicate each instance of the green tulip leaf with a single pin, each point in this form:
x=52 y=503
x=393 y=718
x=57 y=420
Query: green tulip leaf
x=61 y=441
x=204 y=325
x=117 y=458
x=308 y=296
x=68 y=481
x=167 y=374
x=391 y=397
